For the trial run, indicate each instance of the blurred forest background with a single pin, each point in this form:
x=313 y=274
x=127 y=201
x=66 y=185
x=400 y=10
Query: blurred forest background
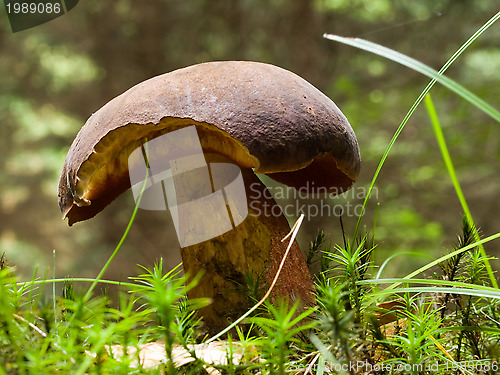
x=54 y=76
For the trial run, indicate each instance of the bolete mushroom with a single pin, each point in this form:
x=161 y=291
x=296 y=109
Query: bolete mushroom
x=255 y=115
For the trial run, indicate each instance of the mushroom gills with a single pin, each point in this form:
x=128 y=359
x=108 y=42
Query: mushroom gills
x=104 y=175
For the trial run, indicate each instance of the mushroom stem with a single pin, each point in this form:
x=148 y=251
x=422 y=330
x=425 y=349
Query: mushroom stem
x=252 y=249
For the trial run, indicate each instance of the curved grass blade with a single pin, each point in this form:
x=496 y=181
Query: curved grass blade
x=456 y=284
x=426 y=289
x=438 y=131
x=443 y=258
x=422 y=68
x=81 y=279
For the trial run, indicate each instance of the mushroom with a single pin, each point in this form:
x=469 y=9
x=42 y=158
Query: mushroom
x=255 y=115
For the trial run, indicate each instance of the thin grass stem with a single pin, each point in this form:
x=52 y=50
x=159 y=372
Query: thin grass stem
x=438 y=131
x=124 y=236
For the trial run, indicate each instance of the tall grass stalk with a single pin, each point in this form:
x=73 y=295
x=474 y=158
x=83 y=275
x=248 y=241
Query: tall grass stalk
x=115 y=251
x=125 y=234
x=453 y=176
x=54 y=284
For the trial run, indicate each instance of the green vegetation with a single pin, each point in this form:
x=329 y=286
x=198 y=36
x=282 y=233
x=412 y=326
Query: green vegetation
x=443 y=324
x=442 y=317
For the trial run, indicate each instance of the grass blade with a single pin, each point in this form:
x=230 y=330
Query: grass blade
x=456 y=284
x=442 y=259
x=422 y=68
x=88 y=294
x=434 y=289
x=438 y=131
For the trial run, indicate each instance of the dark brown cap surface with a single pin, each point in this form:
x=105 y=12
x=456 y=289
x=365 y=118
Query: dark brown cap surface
x=259 y=115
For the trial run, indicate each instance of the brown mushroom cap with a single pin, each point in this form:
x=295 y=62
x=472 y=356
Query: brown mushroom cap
x=259 y=115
